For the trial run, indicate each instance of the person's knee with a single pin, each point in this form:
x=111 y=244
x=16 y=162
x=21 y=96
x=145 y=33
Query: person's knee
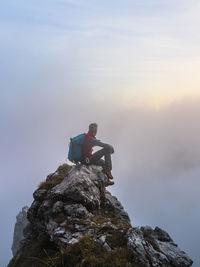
x=106 y=149
x=109 y=149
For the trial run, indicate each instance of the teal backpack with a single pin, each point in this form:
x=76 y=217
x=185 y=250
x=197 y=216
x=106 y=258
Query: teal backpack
x=75 y=148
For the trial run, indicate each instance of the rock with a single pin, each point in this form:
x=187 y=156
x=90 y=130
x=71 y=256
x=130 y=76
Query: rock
x=136 y=244
x=21 y=223
x=157 y=233
x=112 y=204
x=39 y=194
x=82 y=186
x=155 y=247
x=32 y=211
x=57 y=207
x=102 y=239
x=77 y=210
x=43 y=208
x=106 y=247
x=74 y=209
x=108 y=225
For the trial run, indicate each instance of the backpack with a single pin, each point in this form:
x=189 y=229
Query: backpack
x=75 y=148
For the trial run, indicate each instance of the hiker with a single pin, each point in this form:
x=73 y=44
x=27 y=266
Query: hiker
x=96 y=158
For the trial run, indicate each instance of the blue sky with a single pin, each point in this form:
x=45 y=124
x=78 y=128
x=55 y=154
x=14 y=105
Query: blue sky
x=130 y=66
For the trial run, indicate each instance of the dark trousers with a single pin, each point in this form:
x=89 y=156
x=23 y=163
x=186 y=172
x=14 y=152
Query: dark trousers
x=96 y=159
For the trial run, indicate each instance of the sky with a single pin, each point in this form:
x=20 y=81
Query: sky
x=132 y=66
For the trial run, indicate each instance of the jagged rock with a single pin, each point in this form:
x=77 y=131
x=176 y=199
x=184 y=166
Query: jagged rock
x=77 y=210
x=57 y=207
x=39 y=194
x=112 y=204
x=82 y=186
x=73 y=205
x=21 y=223
x=102 y=241
x=155 y=248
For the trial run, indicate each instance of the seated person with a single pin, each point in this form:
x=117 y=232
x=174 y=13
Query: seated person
x=96 y=158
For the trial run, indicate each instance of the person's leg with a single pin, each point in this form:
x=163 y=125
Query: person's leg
x=95 y=159
x=106 y=164
x=99 y=162
x=98 y=155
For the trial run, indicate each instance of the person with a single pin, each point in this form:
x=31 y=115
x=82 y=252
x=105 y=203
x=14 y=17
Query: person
x=96 y=158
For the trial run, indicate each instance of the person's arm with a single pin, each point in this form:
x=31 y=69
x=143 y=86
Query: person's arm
x=95 y=142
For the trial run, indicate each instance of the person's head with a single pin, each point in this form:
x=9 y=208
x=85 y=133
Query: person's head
x=93 y=128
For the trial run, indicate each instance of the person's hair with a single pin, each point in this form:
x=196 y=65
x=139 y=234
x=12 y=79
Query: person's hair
x=93 y=127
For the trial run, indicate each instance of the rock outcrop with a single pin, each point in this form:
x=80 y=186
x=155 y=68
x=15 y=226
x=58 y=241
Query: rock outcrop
x=75 y=221
x=21 y=223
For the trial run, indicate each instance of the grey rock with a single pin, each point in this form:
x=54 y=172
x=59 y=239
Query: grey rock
x=73 y=240
x=32 y=211
x=77 y=210
x=155 y=247
x=106 y=247
x=93 y=224
x=80 y=186
x=39 y=194
x=113 y=204
x=174 y=254
x=102 y=239
x=80 y=206
x=76 y=234
x=108 y=225
x=51 y=226
x=59 y=231
x=21 y=223
x=44 y=207
x=63 y=223
x=81 y=228
x=67 y=238
x=136 y=243
x=57 y=207
x=157 y=233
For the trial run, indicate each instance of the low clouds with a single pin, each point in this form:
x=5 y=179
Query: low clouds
x=156 y=160
x=165 y=140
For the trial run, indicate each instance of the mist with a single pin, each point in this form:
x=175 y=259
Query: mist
x=155 y=164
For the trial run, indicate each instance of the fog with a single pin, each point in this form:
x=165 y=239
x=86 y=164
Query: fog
x=155 y=164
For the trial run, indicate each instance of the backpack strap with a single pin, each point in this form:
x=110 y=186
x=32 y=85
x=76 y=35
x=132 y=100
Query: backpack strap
x=86 y=149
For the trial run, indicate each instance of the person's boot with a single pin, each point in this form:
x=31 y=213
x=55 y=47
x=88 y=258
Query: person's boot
x=109 y=182
x=108 y=173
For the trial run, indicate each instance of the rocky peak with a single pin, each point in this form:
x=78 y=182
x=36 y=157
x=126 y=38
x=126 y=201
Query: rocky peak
x=74 y=220
x=21 y=223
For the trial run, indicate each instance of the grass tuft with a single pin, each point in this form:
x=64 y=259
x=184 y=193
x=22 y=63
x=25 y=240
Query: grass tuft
x=61 y=172
x=85 y=253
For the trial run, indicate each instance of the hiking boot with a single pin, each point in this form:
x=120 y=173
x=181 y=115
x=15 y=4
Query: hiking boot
x=108 y=173
x=109 y=182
